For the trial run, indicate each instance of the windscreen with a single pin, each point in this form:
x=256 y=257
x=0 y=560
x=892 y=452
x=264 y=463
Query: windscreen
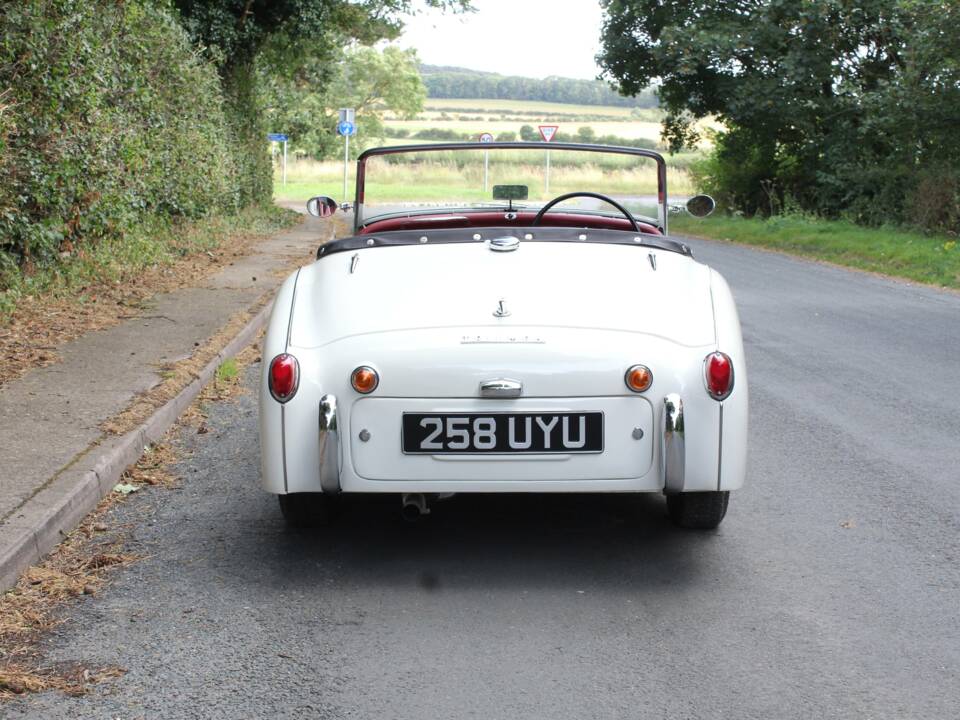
x=508 y=178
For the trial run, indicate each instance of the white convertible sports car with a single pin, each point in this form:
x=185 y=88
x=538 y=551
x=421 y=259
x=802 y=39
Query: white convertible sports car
x=470 y=338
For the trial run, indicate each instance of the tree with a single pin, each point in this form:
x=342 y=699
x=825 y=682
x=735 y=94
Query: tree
x=238 y=32
x=368 y=80
x=816 y=95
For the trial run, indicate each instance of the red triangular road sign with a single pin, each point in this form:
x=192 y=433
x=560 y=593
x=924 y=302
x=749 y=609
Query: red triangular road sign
x=547 y=131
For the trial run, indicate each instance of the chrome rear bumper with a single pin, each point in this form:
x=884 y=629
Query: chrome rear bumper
x=672 y=448
x=329 y=445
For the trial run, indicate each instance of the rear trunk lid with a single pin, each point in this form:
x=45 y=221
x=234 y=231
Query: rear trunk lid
x=585 y=285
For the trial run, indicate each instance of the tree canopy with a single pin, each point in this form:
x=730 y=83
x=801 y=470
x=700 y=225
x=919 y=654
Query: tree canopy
x=305 y=103
x=839 y=106
x=239 y=29
x=240 y=34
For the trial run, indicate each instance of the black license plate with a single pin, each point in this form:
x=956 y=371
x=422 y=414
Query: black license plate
x=503 y=433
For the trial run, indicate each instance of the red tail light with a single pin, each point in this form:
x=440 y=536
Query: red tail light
x=718 y=372
x=284 y=377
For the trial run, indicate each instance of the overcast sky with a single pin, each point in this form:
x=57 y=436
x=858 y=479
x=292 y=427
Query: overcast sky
x=533 y=38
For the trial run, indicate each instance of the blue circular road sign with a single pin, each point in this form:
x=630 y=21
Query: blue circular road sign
x=345 y=128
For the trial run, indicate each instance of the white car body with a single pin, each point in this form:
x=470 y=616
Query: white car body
x=564 y=319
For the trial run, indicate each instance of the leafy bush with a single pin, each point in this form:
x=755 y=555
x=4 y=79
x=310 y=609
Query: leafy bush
x=112 y=119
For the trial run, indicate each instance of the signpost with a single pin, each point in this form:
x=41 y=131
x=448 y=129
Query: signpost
x=281 y=138
x=346 y=127
x=485 y=138
x=547 y=132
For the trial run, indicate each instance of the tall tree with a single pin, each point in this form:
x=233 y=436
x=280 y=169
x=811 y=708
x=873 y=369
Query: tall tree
x=815 y=94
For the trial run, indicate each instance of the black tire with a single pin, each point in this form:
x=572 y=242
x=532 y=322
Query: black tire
x=306 y=510
x=698 y=510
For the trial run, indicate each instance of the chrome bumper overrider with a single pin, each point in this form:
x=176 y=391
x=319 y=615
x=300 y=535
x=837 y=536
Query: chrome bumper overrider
x=673 y=452
x=329 y=445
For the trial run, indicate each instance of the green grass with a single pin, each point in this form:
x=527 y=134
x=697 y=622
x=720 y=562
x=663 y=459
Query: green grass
x=930 y=259
x=227 y=370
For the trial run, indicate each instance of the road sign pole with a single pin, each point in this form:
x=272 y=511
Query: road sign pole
x=486 y=170
x=346 y=163
x=486 y=138
x=284 y=163
x=546 y=176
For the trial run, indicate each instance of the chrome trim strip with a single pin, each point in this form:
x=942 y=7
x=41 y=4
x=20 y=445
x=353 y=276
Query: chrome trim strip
x=283 y=446
x=293 y=302
x=329 y=450
x=501 y=388
x=720 y=450
x=673 y=451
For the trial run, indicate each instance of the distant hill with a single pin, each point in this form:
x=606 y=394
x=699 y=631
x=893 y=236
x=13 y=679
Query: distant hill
x=444 y=81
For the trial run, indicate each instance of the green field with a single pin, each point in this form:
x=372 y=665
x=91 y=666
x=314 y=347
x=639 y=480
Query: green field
x=471 y=106
x=452 y=179
x=475 y=116
x=620 y=128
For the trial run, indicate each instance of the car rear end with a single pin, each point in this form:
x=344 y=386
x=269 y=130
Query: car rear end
x=555 y=368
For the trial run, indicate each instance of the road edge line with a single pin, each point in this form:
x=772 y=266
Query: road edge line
x=39 y=525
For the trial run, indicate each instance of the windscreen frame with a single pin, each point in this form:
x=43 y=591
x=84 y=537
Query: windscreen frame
x=662 y=209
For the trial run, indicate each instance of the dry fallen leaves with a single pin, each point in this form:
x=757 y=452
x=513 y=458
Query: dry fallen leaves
x=77 y=567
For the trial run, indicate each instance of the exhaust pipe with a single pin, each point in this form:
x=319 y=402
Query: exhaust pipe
x=413 y=506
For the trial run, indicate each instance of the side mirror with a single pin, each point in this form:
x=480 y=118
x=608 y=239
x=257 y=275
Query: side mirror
x=701 y=205
x=321 y=206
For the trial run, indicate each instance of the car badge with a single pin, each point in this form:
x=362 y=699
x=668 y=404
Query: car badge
x=504 y=244
x=501 y=310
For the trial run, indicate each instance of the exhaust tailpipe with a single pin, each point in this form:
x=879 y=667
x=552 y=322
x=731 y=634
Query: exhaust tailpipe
x=413 y=506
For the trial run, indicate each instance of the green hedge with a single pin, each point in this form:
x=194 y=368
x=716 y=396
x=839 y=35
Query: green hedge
x=108 y=118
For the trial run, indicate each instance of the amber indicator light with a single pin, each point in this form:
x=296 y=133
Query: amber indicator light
x=638 y=378
x=364 y=379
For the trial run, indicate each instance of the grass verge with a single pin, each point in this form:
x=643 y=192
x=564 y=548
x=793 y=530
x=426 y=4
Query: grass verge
x=929 y=259
x=91 y=292
x=152 y=244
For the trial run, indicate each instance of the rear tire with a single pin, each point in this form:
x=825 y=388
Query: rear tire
x=698 y=510
x=306 y=510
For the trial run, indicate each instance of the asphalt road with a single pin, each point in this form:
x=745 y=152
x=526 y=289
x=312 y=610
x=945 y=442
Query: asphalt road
x=831 y=590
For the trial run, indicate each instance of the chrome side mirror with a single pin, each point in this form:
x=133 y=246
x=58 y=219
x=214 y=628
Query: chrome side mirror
x=701 y=205
x=322 y=206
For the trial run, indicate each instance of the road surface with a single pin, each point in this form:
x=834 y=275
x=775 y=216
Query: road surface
x=831 y=590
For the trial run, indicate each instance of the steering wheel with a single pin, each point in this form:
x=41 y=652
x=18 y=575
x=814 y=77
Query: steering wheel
x=597 y=196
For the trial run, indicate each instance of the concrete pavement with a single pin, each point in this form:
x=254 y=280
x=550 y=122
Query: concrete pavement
x=56 y=460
